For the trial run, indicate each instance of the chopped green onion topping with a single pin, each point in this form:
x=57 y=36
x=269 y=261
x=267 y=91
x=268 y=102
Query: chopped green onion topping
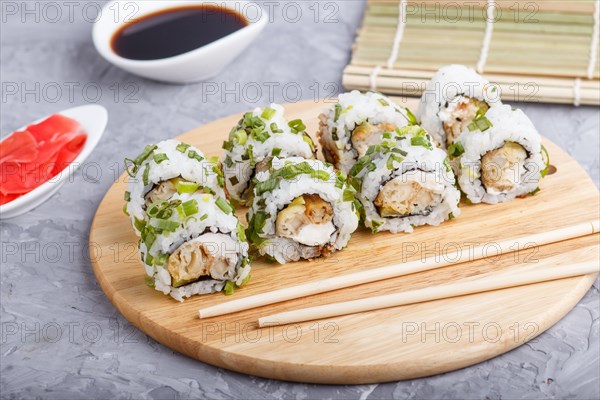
x=456 y=149
x=241 y=232
x=250 y=155
x=268 y=113
x=234 y=180
x=139 y=160
x=139 y=224
x=393 y=158
x=148 y=236
x=127 y=196
x=149 y=281
x=276 y=152
x=260 y=135
x=348 y=195
x=158 y=158
x=239 y=137
x=338 y=112
x=360 y=164
x=161 y=259
x=340 y=179
x=229 y=288
x=480 y=122
x=546 y=158
x=190 y=207
x=289 y=172
x=217 y=170
x=223 y=205
x=165 y=224
x=266 y=186
x=320 y=174
x=255 y=227
x=275 y=128
x=182 y=147
x=375 y=226
x=383 y=102
x=421 y=141
x=227 y=145
x=203 y=217
x=447 y=164
x=149 y=149
x=145 y=175
x=194 y=154
x=355 y=183
x=297 y=125
x=149 y=259
x=411 y=117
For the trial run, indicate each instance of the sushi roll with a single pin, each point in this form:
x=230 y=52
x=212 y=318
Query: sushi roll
x=259 y=136
x=302 y=209
x=192 y=244
x=405 y=181
x=454 y=98
x=164 y=169
x=499 y=157
x=356 y=122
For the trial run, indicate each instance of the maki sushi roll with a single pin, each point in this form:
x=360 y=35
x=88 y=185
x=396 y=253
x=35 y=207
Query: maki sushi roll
x=193 y=244
x=405 y=181
x=454 y=98
x=164 y=169
x=356 y=122
x=500 y=157
x=302 y=209
x=259 y=136
x=190 y=240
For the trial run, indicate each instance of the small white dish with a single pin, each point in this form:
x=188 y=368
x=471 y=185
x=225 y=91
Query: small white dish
x=193 y=66
x=93 y=119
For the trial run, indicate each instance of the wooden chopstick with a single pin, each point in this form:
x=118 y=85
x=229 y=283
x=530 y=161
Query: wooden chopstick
x=382 y=273
x=493 y=282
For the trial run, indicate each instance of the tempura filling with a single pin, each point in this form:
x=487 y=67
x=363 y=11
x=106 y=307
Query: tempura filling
x=211 y=255
x=307 y=220
x=365 y=135
x=411 y=194
x=161 y=192
x=458 y=114
x=502 y=168
x=165 y=190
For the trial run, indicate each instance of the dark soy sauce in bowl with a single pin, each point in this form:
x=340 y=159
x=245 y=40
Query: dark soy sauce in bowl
x=175 y=31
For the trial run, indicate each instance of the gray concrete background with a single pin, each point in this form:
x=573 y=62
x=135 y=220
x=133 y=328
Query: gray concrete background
x=61 y=337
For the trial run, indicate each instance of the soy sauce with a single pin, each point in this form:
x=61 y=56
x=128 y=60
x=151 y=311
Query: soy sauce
x=175 y=31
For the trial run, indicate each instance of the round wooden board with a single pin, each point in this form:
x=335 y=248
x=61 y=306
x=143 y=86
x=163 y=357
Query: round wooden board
x=392 y=344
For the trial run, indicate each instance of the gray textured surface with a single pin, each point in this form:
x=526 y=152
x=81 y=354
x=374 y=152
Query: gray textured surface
x=52 y=307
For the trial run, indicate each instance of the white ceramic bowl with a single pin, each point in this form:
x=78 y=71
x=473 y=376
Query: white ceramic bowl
x=93 y=119
x=196 y=65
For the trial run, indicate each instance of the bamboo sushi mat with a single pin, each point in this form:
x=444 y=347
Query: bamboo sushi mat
x=536 y=51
